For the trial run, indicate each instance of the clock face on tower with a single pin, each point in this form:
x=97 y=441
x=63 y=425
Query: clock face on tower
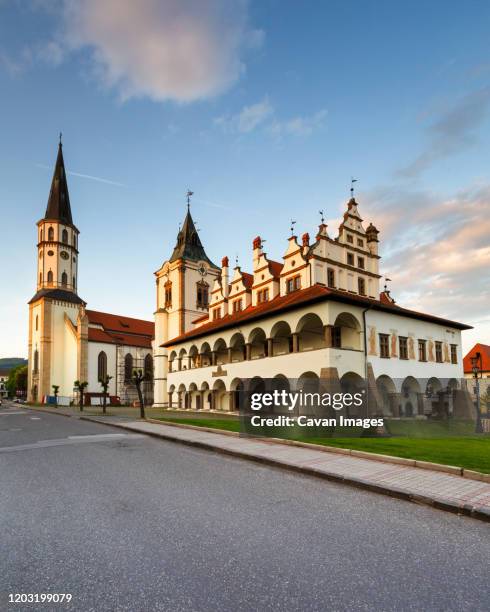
x=202 y=270
x=64 y=255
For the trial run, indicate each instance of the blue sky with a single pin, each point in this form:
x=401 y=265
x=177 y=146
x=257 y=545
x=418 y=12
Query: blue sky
x=265 y=109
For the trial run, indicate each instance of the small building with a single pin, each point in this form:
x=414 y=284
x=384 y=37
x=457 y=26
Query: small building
x=484 y=351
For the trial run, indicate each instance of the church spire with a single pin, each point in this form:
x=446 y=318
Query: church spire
x=58 y=208
x=189 y=245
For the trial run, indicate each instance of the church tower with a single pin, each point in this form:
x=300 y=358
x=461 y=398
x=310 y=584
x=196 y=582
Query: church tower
x=183 y=285
x=54 y=309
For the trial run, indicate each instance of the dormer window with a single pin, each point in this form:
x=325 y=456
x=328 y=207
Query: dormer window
x=216 y=314
x=237 y=305
x=262 y=296
x=293 y=284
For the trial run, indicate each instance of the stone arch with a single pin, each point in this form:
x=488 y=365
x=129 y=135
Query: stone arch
x=237 y=347
x=388 y=395
x=194 y=357
x=206 y=356
x=258 y=343
x=236 y=390
x=182 y=359
x=171 y=361
x=346 y=332
x=282 y=339
x=220 y=351
x=219 y=395
x=410 y=397
x=352 y=383
x=310 y=332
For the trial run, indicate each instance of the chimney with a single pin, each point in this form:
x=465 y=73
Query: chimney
x=224 y=276
x=257 y=251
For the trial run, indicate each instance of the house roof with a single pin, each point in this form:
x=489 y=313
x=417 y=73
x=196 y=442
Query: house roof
x=117 y=329
x=309 y=295
x=484 y=350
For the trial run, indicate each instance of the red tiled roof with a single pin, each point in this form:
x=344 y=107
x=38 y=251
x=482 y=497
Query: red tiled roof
x=248 y=279
x=304 y=296
x=275 y=268
x=484 y=350
x=120 y=330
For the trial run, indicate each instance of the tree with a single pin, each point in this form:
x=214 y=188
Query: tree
x=80 y=387
x=17 y=381
x=56 y=388
x=104 y=383
x=138 y=378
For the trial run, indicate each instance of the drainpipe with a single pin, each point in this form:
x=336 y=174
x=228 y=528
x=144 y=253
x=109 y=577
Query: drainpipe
x=366 y=356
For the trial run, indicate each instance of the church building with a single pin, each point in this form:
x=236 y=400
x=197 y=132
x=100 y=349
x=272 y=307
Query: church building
x=67 y=341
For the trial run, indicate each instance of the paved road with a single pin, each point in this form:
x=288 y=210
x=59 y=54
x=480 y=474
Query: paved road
x=126 y=522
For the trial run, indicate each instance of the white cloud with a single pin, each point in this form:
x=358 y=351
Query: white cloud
x=263 y=115
x=181 y=50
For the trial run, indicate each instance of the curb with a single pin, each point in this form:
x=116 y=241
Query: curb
x=441 y=504
x=423 y=465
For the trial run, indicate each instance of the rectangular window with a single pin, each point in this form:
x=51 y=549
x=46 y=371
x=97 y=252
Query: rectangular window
x=202 y=295
x=384 y=345
x=403 y=345
x=360 y=262
x=422 y=350
x=350 y=259
x=168 y=295
x=216 y=314
x=361 y=283
x=350 y=239
x=360 y=243
x=293 y=284
x=454 y=353
x=337 y=337
x=263 y=296
x=237 y=305
x=439 y=352
x=331 y=277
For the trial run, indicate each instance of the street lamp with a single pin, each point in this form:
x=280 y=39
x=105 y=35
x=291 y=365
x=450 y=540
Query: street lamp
x=476 y=367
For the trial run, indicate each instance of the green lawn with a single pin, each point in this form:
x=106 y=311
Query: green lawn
x=445 y=445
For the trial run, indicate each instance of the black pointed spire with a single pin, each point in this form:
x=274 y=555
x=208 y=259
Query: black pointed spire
x=58 y=208
x=189 y=245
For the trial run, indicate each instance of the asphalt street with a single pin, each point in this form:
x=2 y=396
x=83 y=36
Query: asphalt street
x=129 y=522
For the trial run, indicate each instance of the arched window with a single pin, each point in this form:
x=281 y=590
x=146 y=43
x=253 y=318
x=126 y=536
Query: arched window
x=128 y=367
x=35 y=368
x=37 y=322
x=74 y=240
x=74 y=283
x=40 y=278
x=50 y=278
x=64 y=237
x=51 y=234
x=149 y=367
x=41 y=235
x=101 y=366
x=64 y=279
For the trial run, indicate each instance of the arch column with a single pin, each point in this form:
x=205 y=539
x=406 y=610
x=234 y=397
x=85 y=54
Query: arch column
x=248 y=351
x=327 y=330
x=229 y=351
x=295 y=337
x=179 y=363
x=269 y=347
x=214 y=358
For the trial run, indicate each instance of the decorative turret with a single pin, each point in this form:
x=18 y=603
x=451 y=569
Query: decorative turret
x=372 y=239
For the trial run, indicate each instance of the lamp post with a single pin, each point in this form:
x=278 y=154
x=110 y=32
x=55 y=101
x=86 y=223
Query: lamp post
x=476 y=366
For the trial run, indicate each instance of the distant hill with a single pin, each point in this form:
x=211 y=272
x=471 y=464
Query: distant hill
x=7 y=363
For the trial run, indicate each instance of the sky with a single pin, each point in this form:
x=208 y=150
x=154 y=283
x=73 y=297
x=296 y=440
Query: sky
x=265 y=109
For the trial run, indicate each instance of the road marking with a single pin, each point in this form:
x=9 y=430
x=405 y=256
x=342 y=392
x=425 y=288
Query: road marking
x=10 y=413
x=35 y=418
x=69 y=441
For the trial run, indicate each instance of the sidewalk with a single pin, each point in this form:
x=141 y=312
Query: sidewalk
x=436 y=488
